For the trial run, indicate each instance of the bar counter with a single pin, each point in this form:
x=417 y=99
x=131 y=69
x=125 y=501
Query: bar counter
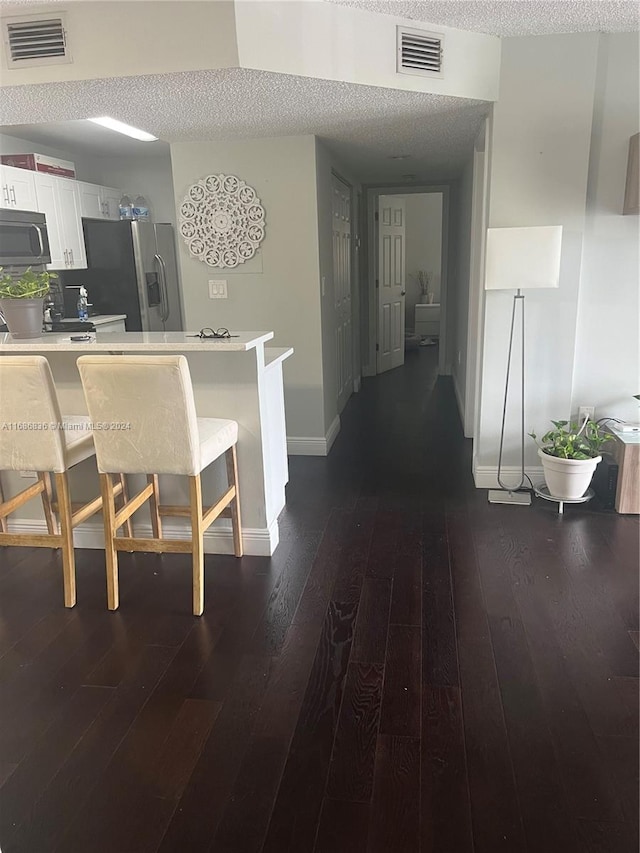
x=236 y=378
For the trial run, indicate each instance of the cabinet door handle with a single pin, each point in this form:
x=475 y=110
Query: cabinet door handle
x=66 y=258
x=12 y=193
x=107 y=209
x=5 y=191
x=70 y=257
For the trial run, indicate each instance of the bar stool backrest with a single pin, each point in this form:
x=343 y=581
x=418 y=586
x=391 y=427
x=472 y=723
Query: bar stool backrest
x=143 y=413
x=31 y=436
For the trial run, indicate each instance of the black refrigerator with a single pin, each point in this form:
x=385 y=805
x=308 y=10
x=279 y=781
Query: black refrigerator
x=132 y=270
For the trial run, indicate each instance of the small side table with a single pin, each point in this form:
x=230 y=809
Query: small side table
x=625 y=448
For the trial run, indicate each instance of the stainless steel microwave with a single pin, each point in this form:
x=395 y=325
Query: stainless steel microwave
x=23 y=239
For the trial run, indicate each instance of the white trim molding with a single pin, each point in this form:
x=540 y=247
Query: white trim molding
x=314 y=445
x=486 y=476
x=257 y=542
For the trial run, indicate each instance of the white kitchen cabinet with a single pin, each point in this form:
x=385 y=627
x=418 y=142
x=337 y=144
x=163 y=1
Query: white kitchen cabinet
x=17 y=188
x=111 y=198
x=59 y=200
x=97 y=202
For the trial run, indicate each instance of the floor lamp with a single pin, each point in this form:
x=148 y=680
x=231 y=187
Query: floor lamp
x=519 y=259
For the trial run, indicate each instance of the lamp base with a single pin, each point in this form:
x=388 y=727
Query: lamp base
x=503 y=496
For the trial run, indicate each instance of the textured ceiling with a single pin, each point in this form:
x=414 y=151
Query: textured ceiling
x=514 y=17
x=363 y=124
x=499 y=17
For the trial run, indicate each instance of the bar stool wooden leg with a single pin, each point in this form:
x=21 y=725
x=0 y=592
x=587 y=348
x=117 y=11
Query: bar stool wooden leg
x=66 y=531
x=197 y=536
x=154 y=504
x=3 y=519
x=111 y=555
x=128 y=530
x=47 y=498
x=231 y=458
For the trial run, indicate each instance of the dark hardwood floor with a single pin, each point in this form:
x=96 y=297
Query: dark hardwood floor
x=414 y=670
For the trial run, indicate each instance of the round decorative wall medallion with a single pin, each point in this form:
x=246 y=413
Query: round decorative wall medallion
x=222 y=221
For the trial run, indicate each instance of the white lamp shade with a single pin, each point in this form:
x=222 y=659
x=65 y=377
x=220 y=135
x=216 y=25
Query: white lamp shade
x=523 y=257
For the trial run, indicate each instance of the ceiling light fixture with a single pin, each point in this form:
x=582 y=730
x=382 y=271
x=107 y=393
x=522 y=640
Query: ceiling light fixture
x=121 y=127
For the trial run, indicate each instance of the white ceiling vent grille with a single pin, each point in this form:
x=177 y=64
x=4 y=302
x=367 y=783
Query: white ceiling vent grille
x=34 y=40
x=419 y=52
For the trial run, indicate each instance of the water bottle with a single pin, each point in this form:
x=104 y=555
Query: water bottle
x=140 y=208
x=126 y=208
x=83 y=304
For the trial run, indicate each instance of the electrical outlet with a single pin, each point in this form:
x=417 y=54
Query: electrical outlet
x=217 y=288
x=586 y=412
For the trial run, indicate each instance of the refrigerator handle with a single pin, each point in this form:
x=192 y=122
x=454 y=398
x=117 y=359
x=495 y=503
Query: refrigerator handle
x=163 y=287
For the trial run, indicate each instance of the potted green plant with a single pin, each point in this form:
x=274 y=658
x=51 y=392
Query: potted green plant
x=570 y=455
x=21 y=301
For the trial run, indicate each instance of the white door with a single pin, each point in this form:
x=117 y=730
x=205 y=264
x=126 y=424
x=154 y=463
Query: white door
x=71 y=222
x=342 y=289
x=46 y=200
x=391 y=282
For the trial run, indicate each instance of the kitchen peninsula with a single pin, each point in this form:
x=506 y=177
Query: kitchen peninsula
x=236 y=378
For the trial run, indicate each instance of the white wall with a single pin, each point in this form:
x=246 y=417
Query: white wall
x=333 y=42
x=607 y=359
x=88 y=167
x=539 y=168
x=459 y=278
x=279 y=288
x=149 y=176
x=116 y=39
x=423 y=240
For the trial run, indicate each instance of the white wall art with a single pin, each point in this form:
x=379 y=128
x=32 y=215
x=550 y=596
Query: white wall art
x=222 y=221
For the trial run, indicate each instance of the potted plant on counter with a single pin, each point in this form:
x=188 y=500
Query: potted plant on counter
x=569 y=457
x=22 y=299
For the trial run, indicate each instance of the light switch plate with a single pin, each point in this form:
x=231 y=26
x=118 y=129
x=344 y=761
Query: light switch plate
x=217 y=288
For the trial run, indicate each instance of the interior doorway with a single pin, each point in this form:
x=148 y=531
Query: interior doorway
x=407 y=258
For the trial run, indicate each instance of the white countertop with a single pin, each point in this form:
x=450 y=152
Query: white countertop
x=98 y=320
x=135 y=342
x=274 y=355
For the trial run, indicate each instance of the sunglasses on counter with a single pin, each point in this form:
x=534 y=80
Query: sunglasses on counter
x=207 y=332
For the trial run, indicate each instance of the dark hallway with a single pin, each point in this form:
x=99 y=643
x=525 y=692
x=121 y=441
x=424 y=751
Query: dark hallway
x=414 y=670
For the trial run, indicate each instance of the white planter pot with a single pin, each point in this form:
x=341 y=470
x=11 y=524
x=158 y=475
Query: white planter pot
x=567 y=478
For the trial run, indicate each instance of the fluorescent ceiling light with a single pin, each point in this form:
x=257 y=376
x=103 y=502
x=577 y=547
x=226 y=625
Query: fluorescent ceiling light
x=127 y=129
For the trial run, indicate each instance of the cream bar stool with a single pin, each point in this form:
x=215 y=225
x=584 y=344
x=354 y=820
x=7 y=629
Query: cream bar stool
x=34 y=437
x=149 y=401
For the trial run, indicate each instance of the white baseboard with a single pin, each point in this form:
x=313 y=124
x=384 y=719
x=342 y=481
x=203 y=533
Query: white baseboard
x=368 y=370
x=356 y=384
x=332 y=432
x=486 y=476
x=314 y=445
x=257 y=542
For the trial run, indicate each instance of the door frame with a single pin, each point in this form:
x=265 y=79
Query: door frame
x=479 y=221
x=353 y=271
x=370 y=318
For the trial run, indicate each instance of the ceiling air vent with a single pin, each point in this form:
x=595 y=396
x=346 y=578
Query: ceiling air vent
x=34 y=40
x=419 y=52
